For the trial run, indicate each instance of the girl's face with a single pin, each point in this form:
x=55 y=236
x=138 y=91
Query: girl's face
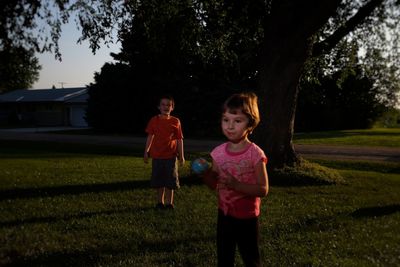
x=166 y=106
x=235 y=126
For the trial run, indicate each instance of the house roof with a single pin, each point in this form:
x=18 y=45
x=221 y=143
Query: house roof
x=70 y=95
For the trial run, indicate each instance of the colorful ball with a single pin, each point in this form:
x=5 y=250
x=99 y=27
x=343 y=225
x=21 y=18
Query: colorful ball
x=200 y=165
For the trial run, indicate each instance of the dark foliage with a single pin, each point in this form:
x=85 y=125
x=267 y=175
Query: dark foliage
x=162 y=56
x=19 y=69
x=330 y=105
x=122 y=100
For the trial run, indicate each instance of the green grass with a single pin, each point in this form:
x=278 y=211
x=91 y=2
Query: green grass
x=372 y=137
x=73 y=205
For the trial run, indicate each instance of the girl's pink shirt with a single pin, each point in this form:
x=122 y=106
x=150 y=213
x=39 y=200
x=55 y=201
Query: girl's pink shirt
x=240 y=165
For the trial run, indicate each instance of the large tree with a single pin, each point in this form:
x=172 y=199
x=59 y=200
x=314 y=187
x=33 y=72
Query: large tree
x=290 y=40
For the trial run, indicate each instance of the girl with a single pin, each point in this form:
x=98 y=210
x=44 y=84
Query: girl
x=240 y=177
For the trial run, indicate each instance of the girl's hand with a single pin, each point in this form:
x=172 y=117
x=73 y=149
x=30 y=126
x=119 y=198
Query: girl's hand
x=229 y=183
x=259 y=189
x=210 y=178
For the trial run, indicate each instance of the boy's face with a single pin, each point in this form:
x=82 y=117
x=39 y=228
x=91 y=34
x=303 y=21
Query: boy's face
x=166 y=106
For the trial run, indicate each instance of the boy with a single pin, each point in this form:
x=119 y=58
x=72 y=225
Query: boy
x=164 y=144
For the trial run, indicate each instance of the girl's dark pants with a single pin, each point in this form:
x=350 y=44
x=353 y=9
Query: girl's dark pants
x=241 y=232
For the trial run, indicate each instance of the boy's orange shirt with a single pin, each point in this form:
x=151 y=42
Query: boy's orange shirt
x=166 y=132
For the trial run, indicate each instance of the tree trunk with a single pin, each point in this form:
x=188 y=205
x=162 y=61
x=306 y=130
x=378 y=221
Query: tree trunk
x=289 y=32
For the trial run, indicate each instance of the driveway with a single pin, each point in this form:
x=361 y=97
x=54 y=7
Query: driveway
x=194 y=145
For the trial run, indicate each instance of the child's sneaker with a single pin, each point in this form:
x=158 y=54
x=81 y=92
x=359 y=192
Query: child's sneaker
x=169 y=206
x=160 y=206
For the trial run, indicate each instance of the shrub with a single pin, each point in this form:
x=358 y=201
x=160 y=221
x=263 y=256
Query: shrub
x=305 y=173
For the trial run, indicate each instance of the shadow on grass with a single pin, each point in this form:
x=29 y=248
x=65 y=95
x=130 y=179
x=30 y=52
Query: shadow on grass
x=376 y=211
x=96 y=256
x=80 y=215
x=34 y=149
x=24 y=193
x=327 y=223
x=170 y=244
x=53 y=191
x=296 y=182
x=61 y=259
x=191 y=180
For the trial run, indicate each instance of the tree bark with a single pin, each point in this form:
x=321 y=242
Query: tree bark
x=289 y=32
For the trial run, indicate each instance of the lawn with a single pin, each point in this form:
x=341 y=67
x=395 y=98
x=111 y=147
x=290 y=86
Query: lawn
x=73 y=205
x=386 y=137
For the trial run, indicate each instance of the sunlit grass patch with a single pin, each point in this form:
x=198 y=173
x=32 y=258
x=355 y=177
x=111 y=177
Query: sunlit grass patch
x=385 y=137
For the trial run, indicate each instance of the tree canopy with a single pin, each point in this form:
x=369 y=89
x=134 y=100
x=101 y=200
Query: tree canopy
x=19 y=69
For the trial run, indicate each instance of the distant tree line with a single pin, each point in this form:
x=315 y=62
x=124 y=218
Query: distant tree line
x=117 y=104
x=352 y=104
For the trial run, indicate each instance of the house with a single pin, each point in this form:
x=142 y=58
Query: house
x=44 y=107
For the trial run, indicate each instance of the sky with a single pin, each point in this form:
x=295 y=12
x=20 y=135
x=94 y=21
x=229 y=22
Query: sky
x=78 y=63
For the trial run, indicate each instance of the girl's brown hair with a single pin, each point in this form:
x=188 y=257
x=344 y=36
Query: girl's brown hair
x=246 y=103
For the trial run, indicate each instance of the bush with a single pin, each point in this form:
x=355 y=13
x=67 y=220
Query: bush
x=389 y=119
x=305 y=173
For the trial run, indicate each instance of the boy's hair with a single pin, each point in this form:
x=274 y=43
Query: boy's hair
x=169 y=97
x=246 y=103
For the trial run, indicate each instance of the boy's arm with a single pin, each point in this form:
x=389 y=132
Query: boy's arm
x=149 y=141
x=181 y=154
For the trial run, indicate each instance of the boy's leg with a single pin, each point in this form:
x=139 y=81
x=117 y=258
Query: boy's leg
x=160 y=195
x=169 y=196
x=171 y=181
x=156 y=182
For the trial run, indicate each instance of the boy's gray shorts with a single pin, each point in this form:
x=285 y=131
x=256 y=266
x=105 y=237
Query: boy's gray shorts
x=165 y=173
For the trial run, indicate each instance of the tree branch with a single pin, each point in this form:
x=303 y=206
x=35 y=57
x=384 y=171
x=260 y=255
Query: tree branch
x=330 y=42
